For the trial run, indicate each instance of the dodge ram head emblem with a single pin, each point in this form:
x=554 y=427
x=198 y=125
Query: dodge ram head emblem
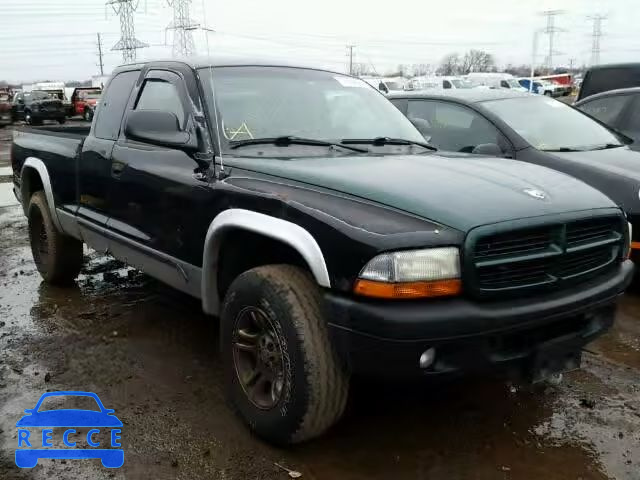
x=532 y=192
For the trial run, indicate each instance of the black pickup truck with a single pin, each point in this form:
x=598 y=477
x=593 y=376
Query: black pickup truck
x=308 y=214
x=35 y=106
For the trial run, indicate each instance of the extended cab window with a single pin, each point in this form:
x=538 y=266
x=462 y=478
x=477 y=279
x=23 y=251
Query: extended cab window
x=453 y=127
x=112 y=105
x=161 y=95
x=608 y=109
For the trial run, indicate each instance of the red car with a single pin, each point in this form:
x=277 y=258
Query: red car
x=84 y=100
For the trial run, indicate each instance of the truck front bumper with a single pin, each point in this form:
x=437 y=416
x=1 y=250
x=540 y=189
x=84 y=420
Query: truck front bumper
x=389 y=338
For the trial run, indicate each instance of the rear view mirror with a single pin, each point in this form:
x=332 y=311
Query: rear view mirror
x=159 y=127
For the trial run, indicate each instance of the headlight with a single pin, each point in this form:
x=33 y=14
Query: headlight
x=431 y=272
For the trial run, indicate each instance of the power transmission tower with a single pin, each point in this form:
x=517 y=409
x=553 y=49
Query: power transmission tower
x=101 y=64
x=128 y=42
x=182 y=25
x=595 y=37
x=350 y=48
x=551 y=31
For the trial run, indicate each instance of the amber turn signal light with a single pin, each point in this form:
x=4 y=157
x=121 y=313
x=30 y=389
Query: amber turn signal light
x=407 y=290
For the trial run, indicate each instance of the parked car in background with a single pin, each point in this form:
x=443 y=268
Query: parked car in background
x=332 y=241
x=495 y=80
x=386 y=85
x=564 y=81
x=35 y=106
x=532 y=129
x=603 y=78
x=5 y=109
x=83 y=101
x=543 y=87
x=619 y=109
x=455 y=83
x=423 y=83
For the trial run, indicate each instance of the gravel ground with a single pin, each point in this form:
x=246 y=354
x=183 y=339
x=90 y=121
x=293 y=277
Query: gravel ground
x=151 y=355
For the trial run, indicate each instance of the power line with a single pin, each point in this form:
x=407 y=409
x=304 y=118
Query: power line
x=128 y=42
x=595 y=37
x=182 y=26
x=551 y=31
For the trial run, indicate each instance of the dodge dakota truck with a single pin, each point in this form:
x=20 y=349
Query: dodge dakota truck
x=312 y=219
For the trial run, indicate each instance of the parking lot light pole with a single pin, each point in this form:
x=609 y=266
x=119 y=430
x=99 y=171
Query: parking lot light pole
x=534 y=52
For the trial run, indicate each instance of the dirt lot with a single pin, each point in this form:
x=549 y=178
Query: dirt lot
x=150 y=354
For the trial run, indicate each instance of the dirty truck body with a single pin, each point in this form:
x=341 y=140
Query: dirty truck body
x=365 y=254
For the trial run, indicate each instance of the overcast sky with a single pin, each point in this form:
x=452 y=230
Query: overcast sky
x=56 y=39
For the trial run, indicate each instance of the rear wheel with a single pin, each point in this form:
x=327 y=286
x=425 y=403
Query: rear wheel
x=282 y=375
x=88 y=114
x=547 y=93
x=28 y=119
x=61 y=120
x=57 y=256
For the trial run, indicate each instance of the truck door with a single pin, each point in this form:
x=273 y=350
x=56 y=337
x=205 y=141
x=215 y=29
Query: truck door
x=94 y=166
x=160 y=194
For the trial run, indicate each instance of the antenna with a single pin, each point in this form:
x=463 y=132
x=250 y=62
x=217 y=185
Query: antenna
x=128 y=42
x=182 y=25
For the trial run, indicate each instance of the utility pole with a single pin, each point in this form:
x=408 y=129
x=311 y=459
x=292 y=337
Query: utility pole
x=551 y=30
x=595 y=37
x=128 y=42
x=350 y=48
x=101 y=64
x=182 y=26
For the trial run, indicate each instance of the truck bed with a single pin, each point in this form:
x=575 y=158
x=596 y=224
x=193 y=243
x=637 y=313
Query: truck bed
x=57 y=147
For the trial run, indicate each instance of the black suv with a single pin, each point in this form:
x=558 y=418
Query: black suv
x=36 y=106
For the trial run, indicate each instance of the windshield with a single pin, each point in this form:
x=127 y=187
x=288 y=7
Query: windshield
x=37 y=95
x=267 y=102
x=458 y=83
x=551 y=125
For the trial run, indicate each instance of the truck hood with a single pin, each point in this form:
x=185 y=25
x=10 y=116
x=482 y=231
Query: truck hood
x=460 y=191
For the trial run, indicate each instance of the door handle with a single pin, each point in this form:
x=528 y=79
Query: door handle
x=117 y=168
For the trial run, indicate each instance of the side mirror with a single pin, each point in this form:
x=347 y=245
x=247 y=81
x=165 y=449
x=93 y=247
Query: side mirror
x=158 y=127
x=490 y=149
x=29 y=410
x=383 y=88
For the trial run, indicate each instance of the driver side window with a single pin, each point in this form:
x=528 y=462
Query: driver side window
x=454 y=127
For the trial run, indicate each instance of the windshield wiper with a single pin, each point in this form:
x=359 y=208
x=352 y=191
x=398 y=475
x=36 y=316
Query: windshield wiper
x=562 y=149
x=381 y=141
x=585 y=149
x=288 y=140
x=607 y=146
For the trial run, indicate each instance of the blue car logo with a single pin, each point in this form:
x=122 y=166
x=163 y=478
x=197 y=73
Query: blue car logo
x=27 y=456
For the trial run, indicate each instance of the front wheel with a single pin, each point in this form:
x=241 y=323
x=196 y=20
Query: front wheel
x=547 y=93
x=282 y=375
x=61 y=120
x=57 y=256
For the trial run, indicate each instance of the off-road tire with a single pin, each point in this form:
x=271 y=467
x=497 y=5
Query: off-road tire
x=317 y=385
x=60 y=261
